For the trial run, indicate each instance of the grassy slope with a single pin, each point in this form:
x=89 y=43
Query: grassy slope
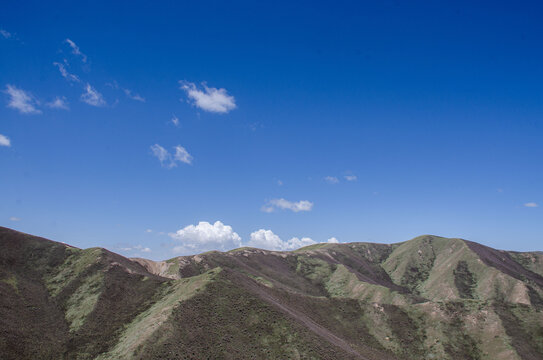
x=427 y=298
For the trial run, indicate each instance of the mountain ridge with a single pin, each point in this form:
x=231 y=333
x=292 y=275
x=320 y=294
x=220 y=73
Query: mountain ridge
x=428 y=297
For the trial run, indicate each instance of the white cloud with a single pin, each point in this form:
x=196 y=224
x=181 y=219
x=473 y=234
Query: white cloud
x=209 y=98
x=4 y=141
x=350 y=177
x=21 y=100
x=332 y=240
x=65 y=74
x=266 y=239
x=5 y=34
x=302 y=205
x=296 y=243
x=206 y=236
x=169 y=160
x=175 y=120
x=182 y=155
x=137 y=248
x=13 y=218
x=142 y=249
x=331 y=179
x=131 y=95
x=76 y=50
x=58 y=103
x=92 y=97
x=531 y=205
x=162 y=155
x=149 y=231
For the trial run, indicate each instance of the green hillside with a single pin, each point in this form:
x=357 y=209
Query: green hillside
x=426 y=298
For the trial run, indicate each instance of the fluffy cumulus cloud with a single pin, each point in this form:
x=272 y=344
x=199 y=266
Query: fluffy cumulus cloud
x=266 y=239
x=296 y=243
x=209 y=98
x=531 y=205
x=59 y=103
x=204 y=237
x=92 y=97
x=332 y=240
x=4 y=141
x=171 y=160
x=21 y=100
x=76 y=51
x=331 y=179
x=282 y=204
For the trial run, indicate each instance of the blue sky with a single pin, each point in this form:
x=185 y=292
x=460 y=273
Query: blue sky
x=296 y=123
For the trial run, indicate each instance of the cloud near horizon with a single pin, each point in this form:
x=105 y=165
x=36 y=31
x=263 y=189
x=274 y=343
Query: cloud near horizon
x=137 y=248
x=266 y=239
x=205 y=237
x=302 y=205
x=209 y=98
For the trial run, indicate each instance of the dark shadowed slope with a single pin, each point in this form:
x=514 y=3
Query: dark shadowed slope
x=429 y=297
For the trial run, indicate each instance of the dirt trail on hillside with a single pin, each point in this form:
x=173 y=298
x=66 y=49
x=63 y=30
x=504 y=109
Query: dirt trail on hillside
x=303 y=319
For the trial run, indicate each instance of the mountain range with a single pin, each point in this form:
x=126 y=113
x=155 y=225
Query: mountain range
x=426 y=298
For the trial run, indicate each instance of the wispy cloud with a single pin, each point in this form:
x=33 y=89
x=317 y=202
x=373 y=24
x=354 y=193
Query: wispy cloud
x=137 y=248
x=65 y=74
x=129 y=94
x=59 y=103
x=331 y=179
x=21 y=100
x=297 y=206
x=350 y=177
x=5 y=34
x=209 y=98
x=76 y=50
x=92 y=97
x=175 y=120
x=531 y=205
x=13 y=218
x=169 y=160
x=4 y=141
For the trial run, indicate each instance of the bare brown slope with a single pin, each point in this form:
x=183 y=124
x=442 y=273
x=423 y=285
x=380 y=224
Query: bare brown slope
x=502 y=261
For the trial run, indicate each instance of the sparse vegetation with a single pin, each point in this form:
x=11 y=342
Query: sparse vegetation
x=428 y=298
